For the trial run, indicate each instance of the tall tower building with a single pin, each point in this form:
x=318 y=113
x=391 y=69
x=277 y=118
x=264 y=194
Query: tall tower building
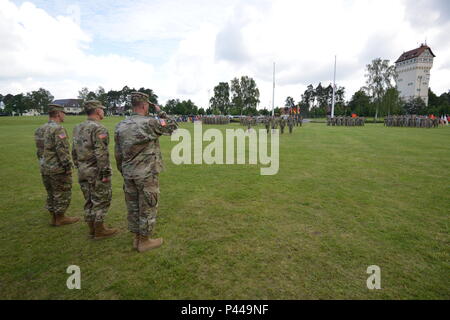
x=413 y=70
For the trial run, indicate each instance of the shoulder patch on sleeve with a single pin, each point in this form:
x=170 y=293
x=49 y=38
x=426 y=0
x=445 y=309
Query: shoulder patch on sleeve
x=102 y=135
x=162 y=122
x=62 y=135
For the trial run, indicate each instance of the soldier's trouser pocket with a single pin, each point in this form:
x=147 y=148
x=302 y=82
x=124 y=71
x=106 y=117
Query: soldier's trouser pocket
x=101 y=199
x=98 y=197
x=142 y=197
x=60 y=187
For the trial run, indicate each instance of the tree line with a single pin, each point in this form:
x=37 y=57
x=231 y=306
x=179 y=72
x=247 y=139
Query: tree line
x=240 y=96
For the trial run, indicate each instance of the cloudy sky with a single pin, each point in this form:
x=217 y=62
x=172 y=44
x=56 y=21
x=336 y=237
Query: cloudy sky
x=183 y=48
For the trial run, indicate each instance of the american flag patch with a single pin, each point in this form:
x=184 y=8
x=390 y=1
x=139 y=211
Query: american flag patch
x=102 y=135
x=62 y=136
x=163 y=122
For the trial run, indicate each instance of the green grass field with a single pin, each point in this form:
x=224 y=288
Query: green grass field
x=344 y=199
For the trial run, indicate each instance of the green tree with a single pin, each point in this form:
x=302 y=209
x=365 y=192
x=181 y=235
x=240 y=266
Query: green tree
x=391 y=102
x=102 y=96
x=39 y=100
x=360 y=103
x=171 y=106
x=416 y=106
x=380 y=75
x=444 y=103
x=245 y=95
x=308 y=97
x=175 y=106
x=289 y=102
x=221 y=99
x=17 y=104
x=113 y=100
x=83 y=94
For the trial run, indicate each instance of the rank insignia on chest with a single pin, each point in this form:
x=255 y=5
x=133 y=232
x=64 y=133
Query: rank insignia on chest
x=102 y=135
x=162 y=122
x=62 y=136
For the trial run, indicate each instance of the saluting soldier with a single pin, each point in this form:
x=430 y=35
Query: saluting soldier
x=139 y=159
x=52 y=143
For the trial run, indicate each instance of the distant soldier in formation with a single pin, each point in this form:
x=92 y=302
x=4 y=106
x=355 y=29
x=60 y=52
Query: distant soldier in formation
x=53 y=153
x=282 y=124
x=91 y=156
x=219 y=120
x=291 y=123
x=267 y=124
x=273 y=123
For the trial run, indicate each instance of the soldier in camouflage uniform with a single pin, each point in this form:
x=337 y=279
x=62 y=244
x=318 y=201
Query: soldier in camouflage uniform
x=91 y=156
x=290 y=123
x=267 y=124
x=139 y=160
x=282 y=124
x=52 y=143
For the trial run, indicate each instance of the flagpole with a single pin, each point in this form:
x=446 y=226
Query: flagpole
x=273 y=92
x=334 y=89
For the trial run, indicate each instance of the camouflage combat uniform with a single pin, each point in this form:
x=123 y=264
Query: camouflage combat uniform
x=290 y=124
x=282 y=124
x=91 y=157
x=52 y=144
x=139 y=159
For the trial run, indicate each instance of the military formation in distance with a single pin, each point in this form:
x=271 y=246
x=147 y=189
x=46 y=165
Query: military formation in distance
x=412 y=121
x=339 y=121
x=290 y=121
x=138 y=159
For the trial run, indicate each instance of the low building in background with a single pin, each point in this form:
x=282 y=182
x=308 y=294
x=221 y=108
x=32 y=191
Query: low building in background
x=32 y=112
x=71 y=106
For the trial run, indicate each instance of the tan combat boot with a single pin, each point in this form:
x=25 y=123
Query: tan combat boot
x=61 y=220
x=52 y=222
x=102 y=232
x=91 y=229
x=146 y=244
x=135 y=241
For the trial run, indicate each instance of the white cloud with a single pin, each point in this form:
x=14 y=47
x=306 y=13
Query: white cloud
x=40 y=50
x=215 y=41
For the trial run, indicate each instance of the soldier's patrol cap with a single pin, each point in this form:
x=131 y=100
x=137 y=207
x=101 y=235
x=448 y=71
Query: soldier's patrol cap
x=55 y=107
x=137 y=97
x=92 y=105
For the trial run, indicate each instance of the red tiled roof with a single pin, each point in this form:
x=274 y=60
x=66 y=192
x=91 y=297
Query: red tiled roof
x=414 y=53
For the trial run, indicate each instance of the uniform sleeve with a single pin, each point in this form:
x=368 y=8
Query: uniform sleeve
x=162 y=127
x=62 y=148
x=74 y=152
x=118 y=152
x=100 y=143
x=39 y=143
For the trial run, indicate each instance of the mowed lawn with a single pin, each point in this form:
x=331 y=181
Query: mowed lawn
x=344 y=199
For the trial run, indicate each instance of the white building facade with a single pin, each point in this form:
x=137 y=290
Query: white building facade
x=71 y=106
x=413 y=71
